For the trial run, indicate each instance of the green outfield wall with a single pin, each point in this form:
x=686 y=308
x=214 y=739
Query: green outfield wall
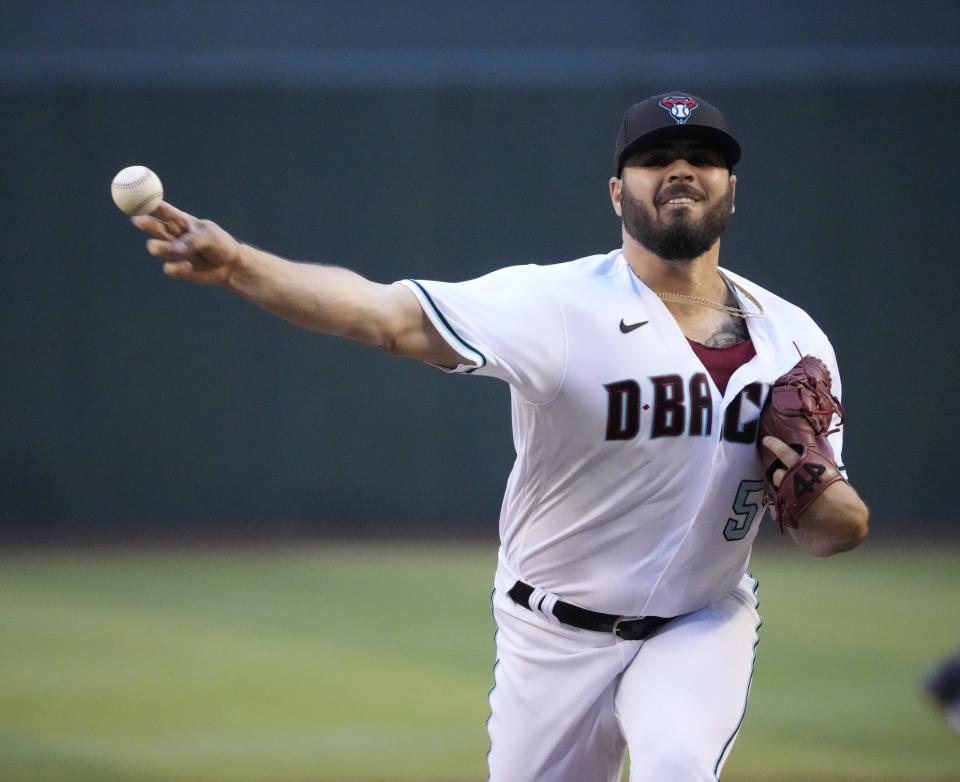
x=133 y=403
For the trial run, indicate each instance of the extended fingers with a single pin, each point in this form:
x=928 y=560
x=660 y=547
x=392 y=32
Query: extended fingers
x=165 y=222
x=167 y=248
x=156 y=227
x=178 y=268
x=170 y=214
x=781 y=450
x=784 y=453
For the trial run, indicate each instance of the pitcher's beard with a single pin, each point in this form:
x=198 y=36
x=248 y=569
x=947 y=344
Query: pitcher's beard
x=680 y=237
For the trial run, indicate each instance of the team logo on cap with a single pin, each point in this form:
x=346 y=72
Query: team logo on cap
x=679 y=107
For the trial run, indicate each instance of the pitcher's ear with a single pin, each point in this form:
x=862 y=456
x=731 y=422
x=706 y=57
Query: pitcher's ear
x=616 y=188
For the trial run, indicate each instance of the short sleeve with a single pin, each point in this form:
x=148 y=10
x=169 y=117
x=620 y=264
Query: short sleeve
x=507 y=324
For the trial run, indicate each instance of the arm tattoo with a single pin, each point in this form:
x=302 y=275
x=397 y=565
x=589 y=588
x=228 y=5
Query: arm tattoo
x=731 y=332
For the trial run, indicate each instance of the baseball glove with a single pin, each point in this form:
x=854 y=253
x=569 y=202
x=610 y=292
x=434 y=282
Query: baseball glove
x=800 y=411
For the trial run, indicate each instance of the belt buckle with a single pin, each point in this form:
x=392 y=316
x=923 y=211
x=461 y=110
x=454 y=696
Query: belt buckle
x=618 y=622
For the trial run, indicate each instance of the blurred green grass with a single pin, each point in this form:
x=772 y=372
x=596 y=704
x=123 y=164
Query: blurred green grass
x=373 y=662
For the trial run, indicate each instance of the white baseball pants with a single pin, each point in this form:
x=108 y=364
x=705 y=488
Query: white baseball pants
x=567 y=702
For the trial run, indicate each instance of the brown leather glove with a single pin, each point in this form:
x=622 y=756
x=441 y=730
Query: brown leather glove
x=799 y=411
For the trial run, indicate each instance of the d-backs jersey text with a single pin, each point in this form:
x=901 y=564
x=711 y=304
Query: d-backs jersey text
x=637 y=488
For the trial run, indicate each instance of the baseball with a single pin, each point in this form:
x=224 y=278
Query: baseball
x=136 y=190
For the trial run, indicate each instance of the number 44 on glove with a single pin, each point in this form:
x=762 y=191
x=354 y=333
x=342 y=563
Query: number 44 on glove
x=800 y=411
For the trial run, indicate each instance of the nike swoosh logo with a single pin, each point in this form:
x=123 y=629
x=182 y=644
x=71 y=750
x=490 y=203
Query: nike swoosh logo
x=625 y=329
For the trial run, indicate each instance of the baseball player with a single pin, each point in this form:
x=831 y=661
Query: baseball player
x=626 y=618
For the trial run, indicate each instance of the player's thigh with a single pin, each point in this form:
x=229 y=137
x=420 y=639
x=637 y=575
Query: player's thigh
x=682 y=699
x=552 y=706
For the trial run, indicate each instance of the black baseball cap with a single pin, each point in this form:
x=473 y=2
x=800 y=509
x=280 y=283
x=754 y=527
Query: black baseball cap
x=673 y=115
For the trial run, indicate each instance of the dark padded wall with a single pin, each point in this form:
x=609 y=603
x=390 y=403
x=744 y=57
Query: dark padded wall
x=133 y=403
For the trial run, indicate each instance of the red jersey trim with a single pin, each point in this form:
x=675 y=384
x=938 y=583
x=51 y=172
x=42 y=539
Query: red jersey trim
x=721 y=363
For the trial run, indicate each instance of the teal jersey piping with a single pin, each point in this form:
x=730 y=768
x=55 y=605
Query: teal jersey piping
x=445 y=322
x=753 y=665
x=496 y=663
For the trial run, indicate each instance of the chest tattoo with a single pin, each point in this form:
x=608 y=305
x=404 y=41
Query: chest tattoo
x=730 y=332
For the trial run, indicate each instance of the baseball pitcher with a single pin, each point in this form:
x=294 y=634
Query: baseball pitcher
x=660 y=404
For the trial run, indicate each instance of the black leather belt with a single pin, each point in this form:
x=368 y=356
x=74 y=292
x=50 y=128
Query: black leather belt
x=629 y=628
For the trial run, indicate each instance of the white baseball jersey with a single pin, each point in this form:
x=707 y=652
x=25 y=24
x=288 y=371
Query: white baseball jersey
x=637 y=485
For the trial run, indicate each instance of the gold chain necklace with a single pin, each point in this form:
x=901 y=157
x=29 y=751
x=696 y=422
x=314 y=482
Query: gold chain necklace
x=735 y=311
